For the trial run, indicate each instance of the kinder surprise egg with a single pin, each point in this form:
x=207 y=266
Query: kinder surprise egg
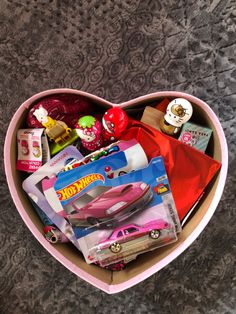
x=114 y=121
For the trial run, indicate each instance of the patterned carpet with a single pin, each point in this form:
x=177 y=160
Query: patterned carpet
x=120 y=50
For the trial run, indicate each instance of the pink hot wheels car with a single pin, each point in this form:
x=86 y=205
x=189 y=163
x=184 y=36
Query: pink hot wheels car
x=131 y=232
x=118 y=202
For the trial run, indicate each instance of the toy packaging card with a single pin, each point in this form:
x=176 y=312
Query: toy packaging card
x=135 y=157
x=33 y=187
x=195 y=135
x=33 y=149
x=135 y=209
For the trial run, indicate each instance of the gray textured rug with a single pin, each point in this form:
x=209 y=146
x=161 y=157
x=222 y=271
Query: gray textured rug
x=119 y=50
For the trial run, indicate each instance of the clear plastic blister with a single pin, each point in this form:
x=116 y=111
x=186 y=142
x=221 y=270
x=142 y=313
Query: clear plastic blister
x=149 y=230
x=106 y=207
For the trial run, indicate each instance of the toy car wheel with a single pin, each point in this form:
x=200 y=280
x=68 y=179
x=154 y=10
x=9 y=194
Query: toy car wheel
x=155 y=234
x=115 y=247
x=93 y=221
x=53 y=239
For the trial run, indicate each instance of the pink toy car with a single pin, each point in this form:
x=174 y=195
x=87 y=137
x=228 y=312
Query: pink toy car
x=118 y=202
x=131 y=232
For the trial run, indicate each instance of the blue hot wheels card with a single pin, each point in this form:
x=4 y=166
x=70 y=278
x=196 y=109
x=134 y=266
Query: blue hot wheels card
x=91 y=197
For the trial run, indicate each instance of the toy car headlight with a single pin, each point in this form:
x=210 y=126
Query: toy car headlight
x=143 y=186
x=115 y=207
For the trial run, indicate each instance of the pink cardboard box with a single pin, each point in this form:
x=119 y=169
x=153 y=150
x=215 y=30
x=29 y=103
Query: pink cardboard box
x=151 y=262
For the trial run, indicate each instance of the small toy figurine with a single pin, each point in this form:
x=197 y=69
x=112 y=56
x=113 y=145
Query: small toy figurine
x=57 y=131
x=114 y=121
x=178 y=112
x=89 y=130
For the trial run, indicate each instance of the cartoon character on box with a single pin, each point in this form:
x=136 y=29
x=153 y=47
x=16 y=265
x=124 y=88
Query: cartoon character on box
x=131 y=232
x=89 y=130
x=189 y=139
x=114 y=122
x=36 y=149
x=116 y=202
x=24 y=147
x=178 y=112
x=57 y=131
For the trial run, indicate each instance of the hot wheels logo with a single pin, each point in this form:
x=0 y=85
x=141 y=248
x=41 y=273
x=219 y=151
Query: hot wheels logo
x=77 y=186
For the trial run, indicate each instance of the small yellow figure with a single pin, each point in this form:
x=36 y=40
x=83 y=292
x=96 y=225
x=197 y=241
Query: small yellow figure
x=57 y=131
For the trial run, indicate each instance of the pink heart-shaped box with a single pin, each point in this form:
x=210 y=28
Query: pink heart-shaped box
x=151 y=262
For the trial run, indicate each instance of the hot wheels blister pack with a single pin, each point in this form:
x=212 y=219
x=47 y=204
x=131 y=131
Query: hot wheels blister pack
x=130 y=148
x=120 y=217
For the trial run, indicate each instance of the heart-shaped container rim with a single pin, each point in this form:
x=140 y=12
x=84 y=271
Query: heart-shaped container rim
x=111 y=287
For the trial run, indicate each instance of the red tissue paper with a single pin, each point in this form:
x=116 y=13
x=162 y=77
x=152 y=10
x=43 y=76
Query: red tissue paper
x=189 y=170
